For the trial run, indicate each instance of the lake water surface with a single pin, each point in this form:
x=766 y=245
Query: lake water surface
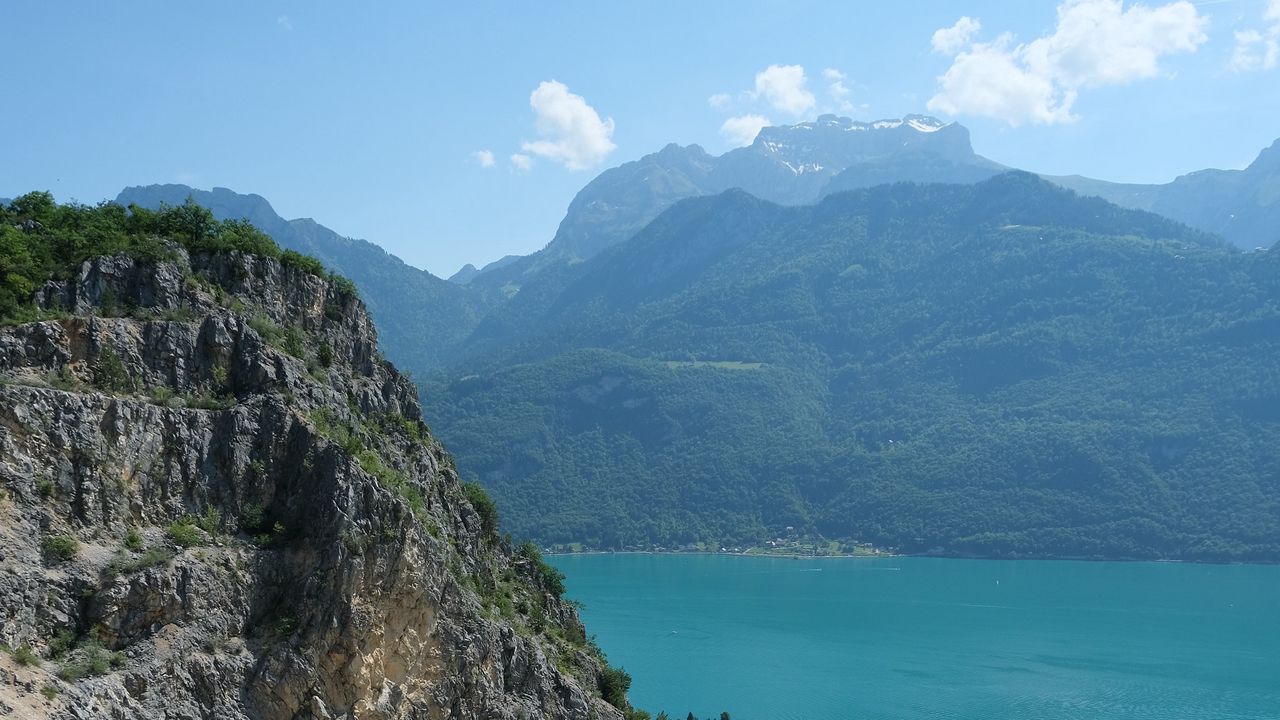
x=937 y=639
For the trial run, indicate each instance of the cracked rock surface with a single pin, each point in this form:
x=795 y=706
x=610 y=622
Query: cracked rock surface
x=217 y=501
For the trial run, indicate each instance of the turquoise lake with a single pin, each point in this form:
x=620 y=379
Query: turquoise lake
x=890 y=638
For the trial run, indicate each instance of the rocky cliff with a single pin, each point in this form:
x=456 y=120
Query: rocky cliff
x=217 y=500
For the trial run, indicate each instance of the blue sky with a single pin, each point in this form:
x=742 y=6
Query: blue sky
x=369 y=118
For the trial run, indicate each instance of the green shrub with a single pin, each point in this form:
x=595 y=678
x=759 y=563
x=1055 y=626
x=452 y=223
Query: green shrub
x=344 y=287
x=287 y=625
x=274 y=538
x=161 y=395
x=133 y=540
x=211 y=521
x=124 y=564
x=185 y=533
x=550 y=577
x=61 y=547
x=251 y=516
x=484 y=507
x=25 y=656
x=45 y=487
x=293 y=341
x=219 y=376
x=614 y=684
x=109 y=372
x=305 y=263
x=210 y=402
x=49 y=691
x=392 y=479
x=61 y=644
x=181 y=314
x=63 y=379
x=90 y=660
x=266 y=328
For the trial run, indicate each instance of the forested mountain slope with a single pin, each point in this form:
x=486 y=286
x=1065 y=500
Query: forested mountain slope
x=996 y=369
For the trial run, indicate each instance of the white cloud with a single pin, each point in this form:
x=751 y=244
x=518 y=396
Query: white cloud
x=990 y=81
x=785 y=88
x=1258 y=49
x=950 y=40
x=571 y=131
x=521 y=163
x=719 y=101
x=837 y=89
x=742 y=130
x=1254 y=51
x=1095 y=43
x=284 y=22
x=483 y=158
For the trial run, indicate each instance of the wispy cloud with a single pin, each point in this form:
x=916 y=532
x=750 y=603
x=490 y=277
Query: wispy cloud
x=571 y=131
x=1259 y=49
x=1095 y=43
x=521 y=162
x=950 y=40
x=483 y=158
x=284 y=22
x=837 y=89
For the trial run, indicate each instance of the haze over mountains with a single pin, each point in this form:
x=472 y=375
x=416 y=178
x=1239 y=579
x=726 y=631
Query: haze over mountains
x=799 y=164
x=1242 y=206
x=790 y=165
x=991 y=367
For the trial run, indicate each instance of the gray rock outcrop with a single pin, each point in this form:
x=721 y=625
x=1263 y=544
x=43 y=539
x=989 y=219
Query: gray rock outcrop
x=217 y=501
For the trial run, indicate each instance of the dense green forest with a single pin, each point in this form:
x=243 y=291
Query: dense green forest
x=1004 y=369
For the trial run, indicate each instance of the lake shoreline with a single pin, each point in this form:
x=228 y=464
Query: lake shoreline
x=792 y=556
x=886 y=555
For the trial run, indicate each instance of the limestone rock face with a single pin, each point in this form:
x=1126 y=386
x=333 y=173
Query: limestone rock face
x=217 y=501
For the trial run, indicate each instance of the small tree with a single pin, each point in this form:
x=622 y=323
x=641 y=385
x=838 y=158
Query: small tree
x=484 y=507
x=614 y=684
x=109 y=372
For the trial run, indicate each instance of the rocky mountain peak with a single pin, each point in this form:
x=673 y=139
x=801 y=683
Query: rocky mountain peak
x=1268 y=160
x=835 y=143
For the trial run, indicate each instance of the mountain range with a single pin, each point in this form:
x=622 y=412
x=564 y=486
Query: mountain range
x=1242 y=206
x=713 y=348
x=999 y=369
x=799 y=164
x=794 y=164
